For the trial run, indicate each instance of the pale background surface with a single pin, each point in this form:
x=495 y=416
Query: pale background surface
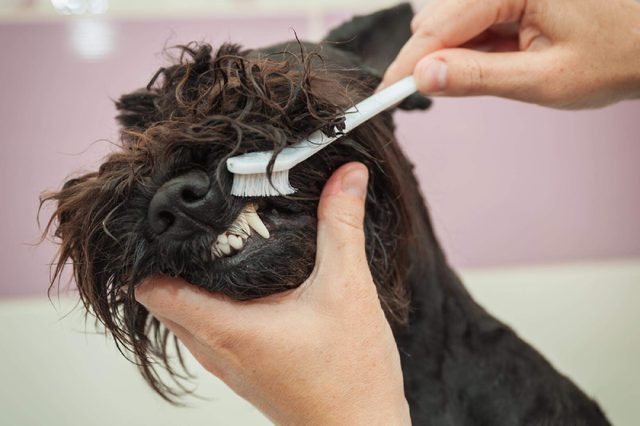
x=582 y=317
x=507 y=184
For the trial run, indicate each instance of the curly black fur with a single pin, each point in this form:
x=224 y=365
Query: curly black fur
x=461 y=366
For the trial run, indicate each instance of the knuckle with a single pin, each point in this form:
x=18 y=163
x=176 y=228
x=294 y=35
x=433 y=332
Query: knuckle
x=350 y=219
x=342 y=210
x=225 y=342
x=221 y=339
x=425 y=35
x=506 y=11
x=415 y=23
x=475 y=75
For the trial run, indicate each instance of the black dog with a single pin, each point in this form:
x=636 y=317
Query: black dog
x=161 y=204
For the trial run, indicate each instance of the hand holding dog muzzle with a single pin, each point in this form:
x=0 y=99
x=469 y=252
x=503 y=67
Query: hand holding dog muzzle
x=322 y=353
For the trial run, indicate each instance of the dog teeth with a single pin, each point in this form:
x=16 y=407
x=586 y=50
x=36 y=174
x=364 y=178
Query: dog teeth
x=255 y=222
x=233 y=240
x=225 y=248
x=244 y=225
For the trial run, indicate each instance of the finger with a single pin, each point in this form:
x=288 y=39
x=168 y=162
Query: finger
x=463 y=72
x=340 y=241
x=444 y=24
x=199 y=351
x=187 y=305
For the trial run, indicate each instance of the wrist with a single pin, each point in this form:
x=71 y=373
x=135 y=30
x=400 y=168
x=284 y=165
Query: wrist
x=394 y=413
x=360 y=408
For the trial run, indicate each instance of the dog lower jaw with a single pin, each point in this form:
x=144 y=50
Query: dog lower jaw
x=263 y=266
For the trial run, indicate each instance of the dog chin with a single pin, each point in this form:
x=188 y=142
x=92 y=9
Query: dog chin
x=254 y=259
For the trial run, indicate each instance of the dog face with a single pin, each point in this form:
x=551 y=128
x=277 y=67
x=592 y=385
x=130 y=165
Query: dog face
x=160 y=204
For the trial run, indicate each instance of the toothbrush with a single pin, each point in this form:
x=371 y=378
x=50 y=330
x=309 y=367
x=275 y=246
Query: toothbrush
x=250 y=178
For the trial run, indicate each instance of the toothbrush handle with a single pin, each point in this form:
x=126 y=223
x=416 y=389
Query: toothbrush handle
x=256 y=162
x=379 y=102
x=354 y=116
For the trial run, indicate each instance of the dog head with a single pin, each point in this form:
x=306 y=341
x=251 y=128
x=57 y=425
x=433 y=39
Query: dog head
x=160 y=203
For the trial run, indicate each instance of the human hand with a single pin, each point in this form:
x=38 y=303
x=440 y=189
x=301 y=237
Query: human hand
x=319 y=354
x=559 y=53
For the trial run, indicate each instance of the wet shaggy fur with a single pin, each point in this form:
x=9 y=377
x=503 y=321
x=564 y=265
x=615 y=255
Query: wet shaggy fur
x=461 y=366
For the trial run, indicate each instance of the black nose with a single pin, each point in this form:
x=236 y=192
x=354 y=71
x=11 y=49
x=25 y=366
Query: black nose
x=181 y=206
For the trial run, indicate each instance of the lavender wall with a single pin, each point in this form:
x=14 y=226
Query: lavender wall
x=506 y=182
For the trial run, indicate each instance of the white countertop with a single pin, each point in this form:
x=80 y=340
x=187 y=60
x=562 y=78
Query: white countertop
x=583 y=317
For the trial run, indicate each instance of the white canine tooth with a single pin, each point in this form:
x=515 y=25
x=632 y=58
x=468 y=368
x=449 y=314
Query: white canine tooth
x=244 y=225
x=222 y=239
x=256 y=223
x=235 y=242
x=225 y=248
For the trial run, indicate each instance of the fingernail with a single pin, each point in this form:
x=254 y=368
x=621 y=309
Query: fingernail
x=355 y=182
x=433 y=74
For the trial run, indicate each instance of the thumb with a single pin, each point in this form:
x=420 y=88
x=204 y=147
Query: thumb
x=464 y=72
x=340 y=240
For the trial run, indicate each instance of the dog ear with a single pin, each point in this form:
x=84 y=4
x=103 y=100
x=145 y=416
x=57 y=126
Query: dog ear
x=375 y=41
x=376 y=38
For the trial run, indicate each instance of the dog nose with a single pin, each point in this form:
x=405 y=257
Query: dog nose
x=182 y=205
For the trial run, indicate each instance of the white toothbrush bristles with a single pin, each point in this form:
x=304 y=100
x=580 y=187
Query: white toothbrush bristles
x=259 y=185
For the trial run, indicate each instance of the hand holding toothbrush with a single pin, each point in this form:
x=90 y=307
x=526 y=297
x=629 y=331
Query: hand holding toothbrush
x=564 y=54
